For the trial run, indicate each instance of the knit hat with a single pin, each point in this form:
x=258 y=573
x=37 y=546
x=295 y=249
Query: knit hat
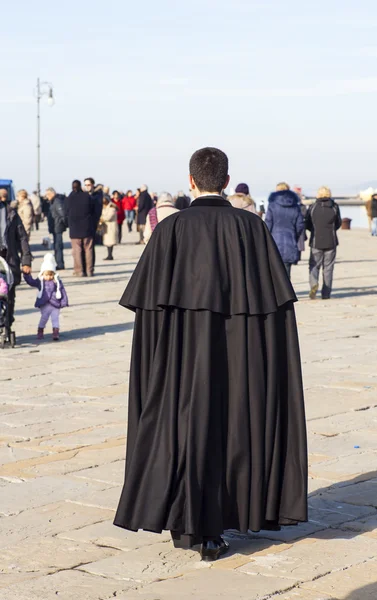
x=49 y=264
x=242 y=188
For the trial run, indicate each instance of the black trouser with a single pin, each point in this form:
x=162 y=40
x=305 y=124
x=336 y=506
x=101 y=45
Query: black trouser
x=59 y=250
x=11 y=304
x=120 y=225
x=110 y=251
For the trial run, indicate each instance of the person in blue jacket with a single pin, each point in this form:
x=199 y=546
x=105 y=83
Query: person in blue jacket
x=286 y=224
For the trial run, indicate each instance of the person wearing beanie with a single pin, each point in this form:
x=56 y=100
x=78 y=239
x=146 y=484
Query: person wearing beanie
x=242 y=199
x=51 y=296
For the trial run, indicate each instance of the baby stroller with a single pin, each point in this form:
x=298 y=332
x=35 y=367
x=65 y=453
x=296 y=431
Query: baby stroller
x=7 y=336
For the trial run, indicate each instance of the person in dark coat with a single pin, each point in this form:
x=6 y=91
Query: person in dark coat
x=323 y=219
x=285 y=221
x=13 y=245
x=144 y=205
x=57 y=224
x=216 y=429
x=182 y=202
x=373 y=213
x=81 y=211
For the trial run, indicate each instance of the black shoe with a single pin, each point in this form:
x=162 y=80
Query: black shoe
x=213 y=550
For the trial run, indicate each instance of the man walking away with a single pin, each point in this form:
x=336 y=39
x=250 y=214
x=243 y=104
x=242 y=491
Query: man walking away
x=182 y=202
x=37 y=208
x=145 y=204
x=96 y=194
x=57 y=224
x=216 y=428
x=323 y=219
x=373 y=212
x=81 y=215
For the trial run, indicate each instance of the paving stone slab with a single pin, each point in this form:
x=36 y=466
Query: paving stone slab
x=361 y=494
x=359 y=582
x=311 y=558
x=211 y=584
x=68 y=585
x=147 y=564
x=49 y=555
x=108 y=498
x=17 y=497
x=112 y=473
x=106 y=534
x=47 y=521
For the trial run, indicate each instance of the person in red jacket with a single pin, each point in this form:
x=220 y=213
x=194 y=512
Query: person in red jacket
x=129 y=205
x=118 y=201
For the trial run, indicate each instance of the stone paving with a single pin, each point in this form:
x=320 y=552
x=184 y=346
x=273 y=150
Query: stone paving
x=62 y=439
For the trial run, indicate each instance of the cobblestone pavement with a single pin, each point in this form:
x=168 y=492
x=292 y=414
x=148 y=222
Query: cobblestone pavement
x=62 y=427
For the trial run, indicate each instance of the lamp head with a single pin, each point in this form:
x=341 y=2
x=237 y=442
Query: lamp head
x=50 y=99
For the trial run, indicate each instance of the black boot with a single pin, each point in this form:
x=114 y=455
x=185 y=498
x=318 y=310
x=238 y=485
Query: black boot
x=214 y=549
x=109 y=253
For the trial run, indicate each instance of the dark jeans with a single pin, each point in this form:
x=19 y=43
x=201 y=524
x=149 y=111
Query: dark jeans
x=11 y=304
x=120 y=225
x=130 y=217
x=59 y=250
x=324 y=259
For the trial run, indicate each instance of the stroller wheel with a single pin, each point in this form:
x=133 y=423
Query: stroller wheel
x=12 y=339
x=2 y=341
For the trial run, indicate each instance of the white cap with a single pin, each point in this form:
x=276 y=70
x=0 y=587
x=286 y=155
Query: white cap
x=49 y=264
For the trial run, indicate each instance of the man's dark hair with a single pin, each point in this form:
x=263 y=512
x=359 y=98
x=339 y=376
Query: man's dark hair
x=76 y=185
x=90 y=179
x=209 y=169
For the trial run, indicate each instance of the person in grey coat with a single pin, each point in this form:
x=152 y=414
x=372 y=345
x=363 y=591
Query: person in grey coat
x=323 y=219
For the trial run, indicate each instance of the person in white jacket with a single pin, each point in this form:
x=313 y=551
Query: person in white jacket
x=164 y=208
x=242 y=198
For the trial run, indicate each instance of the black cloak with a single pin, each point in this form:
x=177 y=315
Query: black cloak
x=216 y=429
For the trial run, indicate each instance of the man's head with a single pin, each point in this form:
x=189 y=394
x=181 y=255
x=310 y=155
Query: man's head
x=89 y=184
x=3 y=195
x=76 y=186
x=144 y=188
x=209 y=171
x=50 y=194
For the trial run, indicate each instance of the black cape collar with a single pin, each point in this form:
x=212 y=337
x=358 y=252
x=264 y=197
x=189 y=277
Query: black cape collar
x=210 y=201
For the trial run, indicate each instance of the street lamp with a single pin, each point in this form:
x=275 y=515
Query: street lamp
x=44 y=88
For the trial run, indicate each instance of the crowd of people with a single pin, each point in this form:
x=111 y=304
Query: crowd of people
x=93 y=216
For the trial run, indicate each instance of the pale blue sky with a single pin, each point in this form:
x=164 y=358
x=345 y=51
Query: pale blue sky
x=287 y=88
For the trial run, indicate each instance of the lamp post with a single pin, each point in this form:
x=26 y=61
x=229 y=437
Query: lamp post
x=44 y=88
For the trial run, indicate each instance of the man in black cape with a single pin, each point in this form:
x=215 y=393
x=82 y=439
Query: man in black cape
x=216 y=429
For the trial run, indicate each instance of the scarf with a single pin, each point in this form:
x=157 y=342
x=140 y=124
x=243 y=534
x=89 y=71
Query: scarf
x=57 y=281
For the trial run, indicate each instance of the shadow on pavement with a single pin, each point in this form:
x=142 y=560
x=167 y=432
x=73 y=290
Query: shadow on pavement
x=344 y=292
x=74 y=334
x=368 y=592
x=327 y=512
